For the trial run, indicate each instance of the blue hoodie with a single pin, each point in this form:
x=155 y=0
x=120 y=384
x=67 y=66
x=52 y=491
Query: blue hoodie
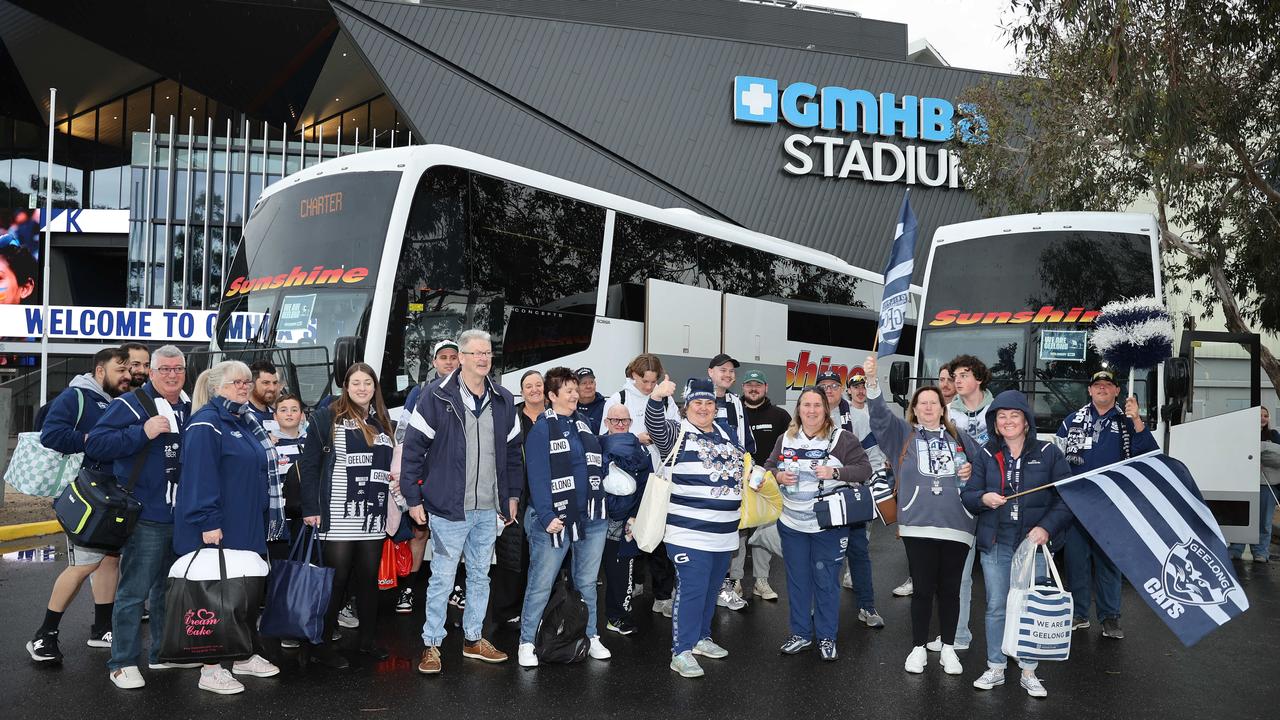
x=62 y=431
x=1041 y=463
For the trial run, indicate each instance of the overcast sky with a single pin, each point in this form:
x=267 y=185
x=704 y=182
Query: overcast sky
x=965 y=32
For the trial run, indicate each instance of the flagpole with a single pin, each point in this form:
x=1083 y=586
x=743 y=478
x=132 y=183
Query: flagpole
x=48 y=247
x=1073 y=478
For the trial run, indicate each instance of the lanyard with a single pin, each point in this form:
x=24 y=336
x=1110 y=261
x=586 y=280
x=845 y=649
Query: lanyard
x=1014 y=477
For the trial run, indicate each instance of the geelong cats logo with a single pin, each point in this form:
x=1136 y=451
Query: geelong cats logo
x=1195 y=576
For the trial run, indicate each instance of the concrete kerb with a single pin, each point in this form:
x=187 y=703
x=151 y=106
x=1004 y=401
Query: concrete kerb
x=28 y=530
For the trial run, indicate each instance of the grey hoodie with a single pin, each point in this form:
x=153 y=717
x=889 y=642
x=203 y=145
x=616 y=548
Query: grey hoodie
x=972 y=422
x=86 y=382
x=922 y=512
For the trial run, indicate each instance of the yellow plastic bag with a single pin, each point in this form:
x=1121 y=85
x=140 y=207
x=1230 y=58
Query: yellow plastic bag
x=759 y=507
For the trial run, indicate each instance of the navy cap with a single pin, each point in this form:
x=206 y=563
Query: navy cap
x=584 y=372
x=828 y=375
x=1104 y=375
x=699 y=389
x=721 y=359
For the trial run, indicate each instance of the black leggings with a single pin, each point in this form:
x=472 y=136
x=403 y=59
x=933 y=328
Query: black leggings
x=355 y=572
x=936 y=569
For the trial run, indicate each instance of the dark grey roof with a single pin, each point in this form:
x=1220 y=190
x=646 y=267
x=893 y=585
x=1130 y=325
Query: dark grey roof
x=644 y=114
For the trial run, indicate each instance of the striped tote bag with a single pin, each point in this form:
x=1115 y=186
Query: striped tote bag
x=1037 y=619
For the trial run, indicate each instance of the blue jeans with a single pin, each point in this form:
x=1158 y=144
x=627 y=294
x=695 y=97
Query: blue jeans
x=545 y=560
x=963 y=635
x=996 y=564
x=145 y=560
x=860 y=565
x=699 y=575
x=1266 y=511
x=813 y=562
x=472 y=539
x=1091 y=573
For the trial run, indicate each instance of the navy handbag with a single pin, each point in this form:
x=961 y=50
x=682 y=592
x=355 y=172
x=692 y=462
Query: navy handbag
x=298 y=592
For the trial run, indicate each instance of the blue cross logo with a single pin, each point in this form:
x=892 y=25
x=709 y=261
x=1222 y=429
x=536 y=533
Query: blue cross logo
x=755 y=99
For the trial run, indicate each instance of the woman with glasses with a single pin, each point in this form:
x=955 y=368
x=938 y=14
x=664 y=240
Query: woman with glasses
x=622 y=451
x=346 y=475
x=230 y=494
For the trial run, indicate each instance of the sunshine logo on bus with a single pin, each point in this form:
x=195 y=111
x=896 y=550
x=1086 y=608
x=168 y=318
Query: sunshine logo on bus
x=319 y=275
x=1046 y=314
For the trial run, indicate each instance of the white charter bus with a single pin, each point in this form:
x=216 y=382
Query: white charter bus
x=376 y=256
x=1021 y=293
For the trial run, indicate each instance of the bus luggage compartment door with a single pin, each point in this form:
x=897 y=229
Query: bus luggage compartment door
x=1223 y=454
x=682 y=325
x=755 y=334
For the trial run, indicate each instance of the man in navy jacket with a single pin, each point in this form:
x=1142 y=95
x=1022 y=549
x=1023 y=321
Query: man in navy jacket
x=65 y=427
x=462 y=466
x=125 y=430
x=1094 y=436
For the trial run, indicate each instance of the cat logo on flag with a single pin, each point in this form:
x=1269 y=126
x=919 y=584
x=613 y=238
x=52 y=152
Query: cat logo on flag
x=1195 y=576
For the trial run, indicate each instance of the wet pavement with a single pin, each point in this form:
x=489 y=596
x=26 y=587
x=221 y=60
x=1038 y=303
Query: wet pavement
x=1234 y=673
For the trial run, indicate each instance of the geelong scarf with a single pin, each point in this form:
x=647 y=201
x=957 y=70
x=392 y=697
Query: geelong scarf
x=277 y=526
x=564 y=498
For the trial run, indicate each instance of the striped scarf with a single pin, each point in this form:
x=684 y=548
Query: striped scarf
x=564 y=498
x=277 y=525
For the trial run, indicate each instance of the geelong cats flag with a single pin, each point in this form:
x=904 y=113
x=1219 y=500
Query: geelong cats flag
x=897 y=280
x=1149 y=517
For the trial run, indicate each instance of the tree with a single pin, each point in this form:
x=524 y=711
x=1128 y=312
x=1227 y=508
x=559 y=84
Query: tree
x=1177 y=101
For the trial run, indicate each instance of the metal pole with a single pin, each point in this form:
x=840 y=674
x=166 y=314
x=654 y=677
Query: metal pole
x=208 y=205
x=148 y=247
x=186 y=218
x=48 y=245
x=168 y=214
x=226 y=211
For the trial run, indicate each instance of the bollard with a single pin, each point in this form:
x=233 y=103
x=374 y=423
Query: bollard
x=6 y=422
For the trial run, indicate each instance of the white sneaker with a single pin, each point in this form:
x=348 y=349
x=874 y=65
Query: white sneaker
x=950 y=661
x=347 y=617
x=526 y=656
x=663 y=607
x=764 y=590
x=257 y=666
x=905 y=589
x=218 y=680
x=1033 y=686
x=991 y=678
x=173 y=666
x=728 y=598
x=916 y=661
x=598 y=650
x=935 y=645
x=290 y=644
x=128 y=678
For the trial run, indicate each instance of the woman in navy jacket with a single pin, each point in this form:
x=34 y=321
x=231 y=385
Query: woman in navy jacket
x=222 y=499
x=1012 y=461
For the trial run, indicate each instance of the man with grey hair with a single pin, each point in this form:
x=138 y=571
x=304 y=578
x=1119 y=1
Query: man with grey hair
x=141 y=434
x=462 y=466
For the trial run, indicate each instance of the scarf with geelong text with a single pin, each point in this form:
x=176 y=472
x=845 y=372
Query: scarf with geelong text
x=277 y=525
x=564 y=498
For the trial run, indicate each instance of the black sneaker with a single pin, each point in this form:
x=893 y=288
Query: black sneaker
x=146 y=614
x=621 y=626
x=458 y=598
x=44 y=648
x=99 y=638
x=404 y=604
x=1111 y=629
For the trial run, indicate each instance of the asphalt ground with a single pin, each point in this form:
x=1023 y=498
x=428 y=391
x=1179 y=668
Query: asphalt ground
x=1233 y=673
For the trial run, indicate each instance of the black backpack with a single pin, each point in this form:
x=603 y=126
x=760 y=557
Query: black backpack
x=562 y=632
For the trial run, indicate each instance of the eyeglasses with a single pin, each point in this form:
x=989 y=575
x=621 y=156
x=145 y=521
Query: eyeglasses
x=619 y=421
x=176 y=370
x=239 y=383
x=481 y=353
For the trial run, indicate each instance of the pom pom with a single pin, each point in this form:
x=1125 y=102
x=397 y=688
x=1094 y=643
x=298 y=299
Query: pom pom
x=1133 y=333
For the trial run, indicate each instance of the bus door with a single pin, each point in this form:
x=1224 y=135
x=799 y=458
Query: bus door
x=755 y=334
x=683 y=326
x=1214 y=420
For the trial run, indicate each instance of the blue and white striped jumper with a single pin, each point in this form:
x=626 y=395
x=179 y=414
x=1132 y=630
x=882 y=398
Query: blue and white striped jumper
x=706 y=492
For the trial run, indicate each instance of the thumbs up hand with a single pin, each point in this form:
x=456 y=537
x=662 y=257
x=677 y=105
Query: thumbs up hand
x=665 y=389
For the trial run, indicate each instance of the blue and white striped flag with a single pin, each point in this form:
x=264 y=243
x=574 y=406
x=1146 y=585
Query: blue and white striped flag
x=1148 y=516
x=897 y=280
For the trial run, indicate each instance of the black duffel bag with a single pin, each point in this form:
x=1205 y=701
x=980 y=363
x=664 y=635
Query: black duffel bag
x=93 y=509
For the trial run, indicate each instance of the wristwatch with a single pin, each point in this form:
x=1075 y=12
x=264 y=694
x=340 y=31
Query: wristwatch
x=835 y=473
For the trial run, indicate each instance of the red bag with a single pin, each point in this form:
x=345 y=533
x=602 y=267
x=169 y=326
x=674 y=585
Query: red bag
x=387 y=567
x=404 y=558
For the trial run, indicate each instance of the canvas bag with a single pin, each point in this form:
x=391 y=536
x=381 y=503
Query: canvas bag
x=651 y=519
x=1037 y=619
x=39 y=471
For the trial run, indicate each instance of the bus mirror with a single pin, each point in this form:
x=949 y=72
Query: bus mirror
x=1177 y=376
x=346 y=352
x=899 y=377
